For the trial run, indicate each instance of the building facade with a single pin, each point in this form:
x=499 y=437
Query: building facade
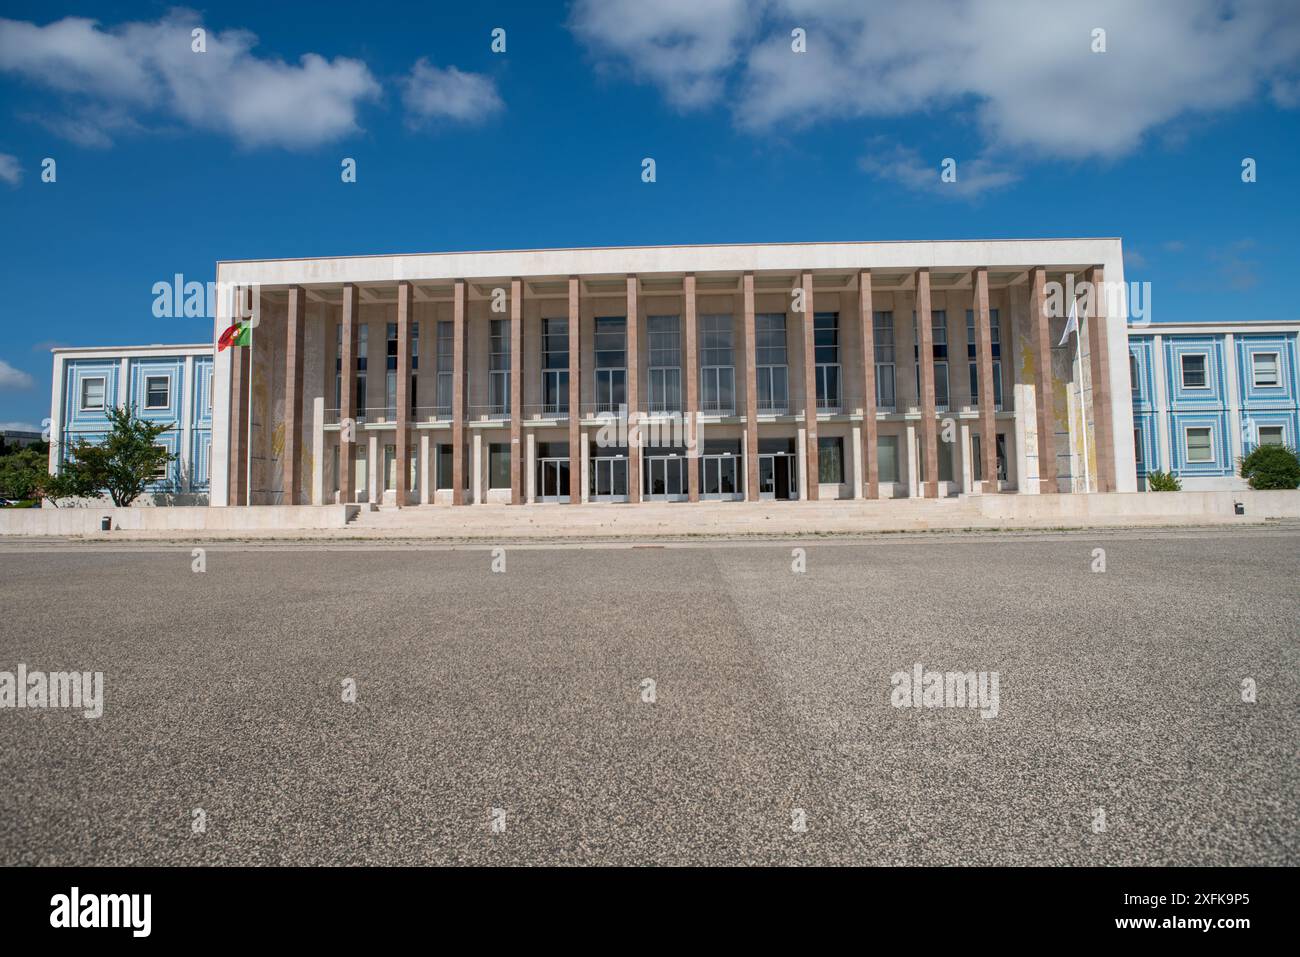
x=172 y=385
x=1205 y=395
x=673 y=373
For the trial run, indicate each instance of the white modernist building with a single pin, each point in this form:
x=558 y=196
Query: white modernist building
x=786 y=371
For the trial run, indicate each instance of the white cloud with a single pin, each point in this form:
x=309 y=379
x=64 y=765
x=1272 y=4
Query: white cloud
x=1023 y=69
x=906 y=167
x=434 y=93
x=10 y=171
x=11 y=378
x=122 y=77
x=684 y=46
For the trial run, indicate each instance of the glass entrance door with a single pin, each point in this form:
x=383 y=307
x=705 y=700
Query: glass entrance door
x=608 y=479
x=776 y=477
x=665 y=478
x=552 y=480
x=719 y=477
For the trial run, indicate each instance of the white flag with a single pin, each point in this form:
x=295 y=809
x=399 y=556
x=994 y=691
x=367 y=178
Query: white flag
x=1072 y=325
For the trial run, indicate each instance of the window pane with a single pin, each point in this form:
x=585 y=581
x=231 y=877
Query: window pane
x=499 y=466
x=830 y=460
x=887 y=455
x=1270 y=435
x=1194 y=372
x=1265 y=365
x=92 y=393
x=1199 y=448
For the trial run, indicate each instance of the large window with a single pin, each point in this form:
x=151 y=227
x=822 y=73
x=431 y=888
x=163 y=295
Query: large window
x=977 y=456
x=1193 y=366
x=1200 y=444
x=772 y=369
x=92 y=393
x=830 y=459
x=499 y=461
x=995 y=348
x=887 y=458
x=390 y=374
x=415 y=364
x=611 y=363
x=499 y=370
x=157 y=391
x=826 y=349
x=446 y=360
x=555 y=365
x=363 y=350
x=445 y=470
x=1271 y=435
x=883 y=335
x=665 y=386
x=717 y=365
x=1263 y=367
x=390 y=467
x=338 y=366
x=161 y=472
x=939 y=349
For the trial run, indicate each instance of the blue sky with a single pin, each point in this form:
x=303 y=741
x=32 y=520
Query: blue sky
x=168 y=160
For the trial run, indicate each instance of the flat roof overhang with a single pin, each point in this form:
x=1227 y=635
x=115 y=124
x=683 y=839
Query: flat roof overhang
x=719 y=269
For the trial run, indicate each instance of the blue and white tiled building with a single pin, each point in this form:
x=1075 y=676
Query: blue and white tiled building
x=161 y=383
x=1205 y=394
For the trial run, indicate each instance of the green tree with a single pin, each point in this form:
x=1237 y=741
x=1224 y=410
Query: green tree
x=1271 y=466
x=123 y=465
x=22 y=473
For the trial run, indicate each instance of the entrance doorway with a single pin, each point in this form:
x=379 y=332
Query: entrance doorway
x=608 y=478
x=719 y=477
x=665 y=478
x=553 y=480
x=776 y=476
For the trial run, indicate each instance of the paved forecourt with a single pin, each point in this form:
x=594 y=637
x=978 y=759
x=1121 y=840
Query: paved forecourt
x=521 y=697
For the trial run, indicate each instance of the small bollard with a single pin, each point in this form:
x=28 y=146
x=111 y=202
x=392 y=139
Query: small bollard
x=105 y=524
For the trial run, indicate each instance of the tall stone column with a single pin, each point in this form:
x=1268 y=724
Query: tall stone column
x=1099 y=366
x=347 y=397
x=984 y=358
x=633 y=397
x=812 y=470
x=575 y=390
x=240 y=372
x=925 y=352
x=293 y=359
x=1040 y=324
x=751 y=395
x=870 y=429
x=403 y=416
x=460 y=328
x=692 y=392
x=516 y=390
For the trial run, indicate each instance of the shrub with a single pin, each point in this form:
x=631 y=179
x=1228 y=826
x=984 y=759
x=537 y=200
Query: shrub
x=1163 y=482
x=1271 y=466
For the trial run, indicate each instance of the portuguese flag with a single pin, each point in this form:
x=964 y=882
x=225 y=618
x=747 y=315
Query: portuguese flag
x=237 y=335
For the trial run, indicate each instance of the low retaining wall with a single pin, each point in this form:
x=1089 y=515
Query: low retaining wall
x=653 y=519
x=86 y=521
